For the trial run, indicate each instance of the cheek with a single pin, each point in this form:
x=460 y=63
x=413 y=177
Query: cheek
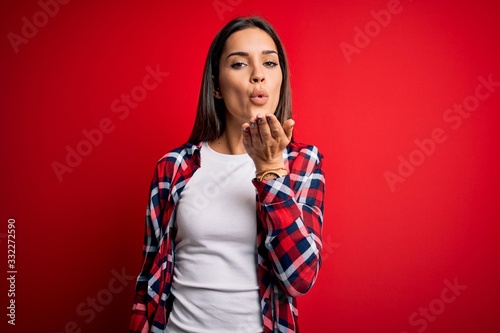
x=277 y=86
x=230 y=85
x=277 y=77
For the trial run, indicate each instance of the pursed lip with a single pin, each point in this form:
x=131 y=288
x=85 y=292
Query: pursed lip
x=259 y=96
x=259 y=93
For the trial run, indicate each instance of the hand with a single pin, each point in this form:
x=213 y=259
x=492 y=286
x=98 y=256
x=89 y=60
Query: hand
x=265 y=139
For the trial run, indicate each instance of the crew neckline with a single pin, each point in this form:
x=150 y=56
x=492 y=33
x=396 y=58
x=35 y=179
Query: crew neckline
x=216 y=154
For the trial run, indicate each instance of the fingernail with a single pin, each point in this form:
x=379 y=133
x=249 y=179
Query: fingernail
x=268 y=118
x=260 y=120
x=245 y=129
x=252 y=124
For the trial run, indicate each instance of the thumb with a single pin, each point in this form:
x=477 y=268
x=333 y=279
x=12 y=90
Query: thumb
x=288 y=128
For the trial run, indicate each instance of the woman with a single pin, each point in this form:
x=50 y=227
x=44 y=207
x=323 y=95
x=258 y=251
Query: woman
x=233 y=226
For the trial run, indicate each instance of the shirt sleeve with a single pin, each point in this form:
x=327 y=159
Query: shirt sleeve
x=154 y=216
x=291 y=211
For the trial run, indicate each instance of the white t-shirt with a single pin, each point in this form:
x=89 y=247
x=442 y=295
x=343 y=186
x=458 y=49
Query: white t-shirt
x=215 y=276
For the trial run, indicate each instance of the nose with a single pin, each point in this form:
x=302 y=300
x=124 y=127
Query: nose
x=257 y=76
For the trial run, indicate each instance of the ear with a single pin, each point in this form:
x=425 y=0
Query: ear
x=217 y=93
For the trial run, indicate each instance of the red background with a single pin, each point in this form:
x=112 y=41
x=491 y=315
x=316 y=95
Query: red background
x=387 y=252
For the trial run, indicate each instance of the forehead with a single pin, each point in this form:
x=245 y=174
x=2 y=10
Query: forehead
x=249 y=40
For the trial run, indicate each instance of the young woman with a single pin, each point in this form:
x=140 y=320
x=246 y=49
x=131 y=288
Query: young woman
x=233 y=226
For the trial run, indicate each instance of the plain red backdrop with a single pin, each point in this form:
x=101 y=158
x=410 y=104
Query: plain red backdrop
x=390 y=252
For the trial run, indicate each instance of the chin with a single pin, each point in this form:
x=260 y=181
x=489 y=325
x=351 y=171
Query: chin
x=259 y=110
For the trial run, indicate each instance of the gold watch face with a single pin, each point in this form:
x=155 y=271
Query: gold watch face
x=270 y=175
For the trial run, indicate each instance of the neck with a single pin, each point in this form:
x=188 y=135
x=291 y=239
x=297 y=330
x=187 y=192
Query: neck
x=230 y=142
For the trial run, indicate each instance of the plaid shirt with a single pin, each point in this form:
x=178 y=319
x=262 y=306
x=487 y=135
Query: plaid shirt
x=289 y=226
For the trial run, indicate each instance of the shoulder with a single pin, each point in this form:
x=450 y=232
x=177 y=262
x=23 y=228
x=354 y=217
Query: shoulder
x=183 y=152
x=303 y=151
x=181 y=157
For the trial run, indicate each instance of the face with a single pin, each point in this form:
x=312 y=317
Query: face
x=249 y=75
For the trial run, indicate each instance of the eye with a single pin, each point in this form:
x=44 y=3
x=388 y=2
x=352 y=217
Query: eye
x=270 y=63
x=238 y=65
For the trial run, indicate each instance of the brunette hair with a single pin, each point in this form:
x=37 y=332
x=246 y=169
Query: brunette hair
x=210 y=120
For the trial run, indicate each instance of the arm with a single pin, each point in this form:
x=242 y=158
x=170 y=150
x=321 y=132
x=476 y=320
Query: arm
x=291 y=206
x=291 y=211
x=154 y=216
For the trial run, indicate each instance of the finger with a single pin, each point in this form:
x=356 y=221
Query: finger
x=275 y=127
x=247 y=138
x=288 y=128
x=254 y=132
x=264 y=129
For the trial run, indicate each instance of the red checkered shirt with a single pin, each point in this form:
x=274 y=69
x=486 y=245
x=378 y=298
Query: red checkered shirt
x=289 y=226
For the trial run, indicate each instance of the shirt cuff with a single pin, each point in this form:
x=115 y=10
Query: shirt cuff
x=277 y=200
x=273 y=191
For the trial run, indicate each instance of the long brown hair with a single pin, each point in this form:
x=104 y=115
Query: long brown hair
x=210 y=120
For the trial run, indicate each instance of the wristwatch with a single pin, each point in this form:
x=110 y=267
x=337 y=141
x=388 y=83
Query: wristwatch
x=269 y=175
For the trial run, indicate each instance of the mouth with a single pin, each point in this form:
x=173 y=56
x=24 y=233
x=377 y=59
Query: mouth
x=259 y=96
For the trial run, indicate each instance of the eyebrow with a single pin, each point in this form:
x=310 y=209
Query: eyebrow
x=245 y=54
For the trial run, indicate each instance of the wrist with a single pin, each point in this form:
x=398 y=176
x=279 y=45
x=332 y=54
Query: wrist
x=260 y=167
